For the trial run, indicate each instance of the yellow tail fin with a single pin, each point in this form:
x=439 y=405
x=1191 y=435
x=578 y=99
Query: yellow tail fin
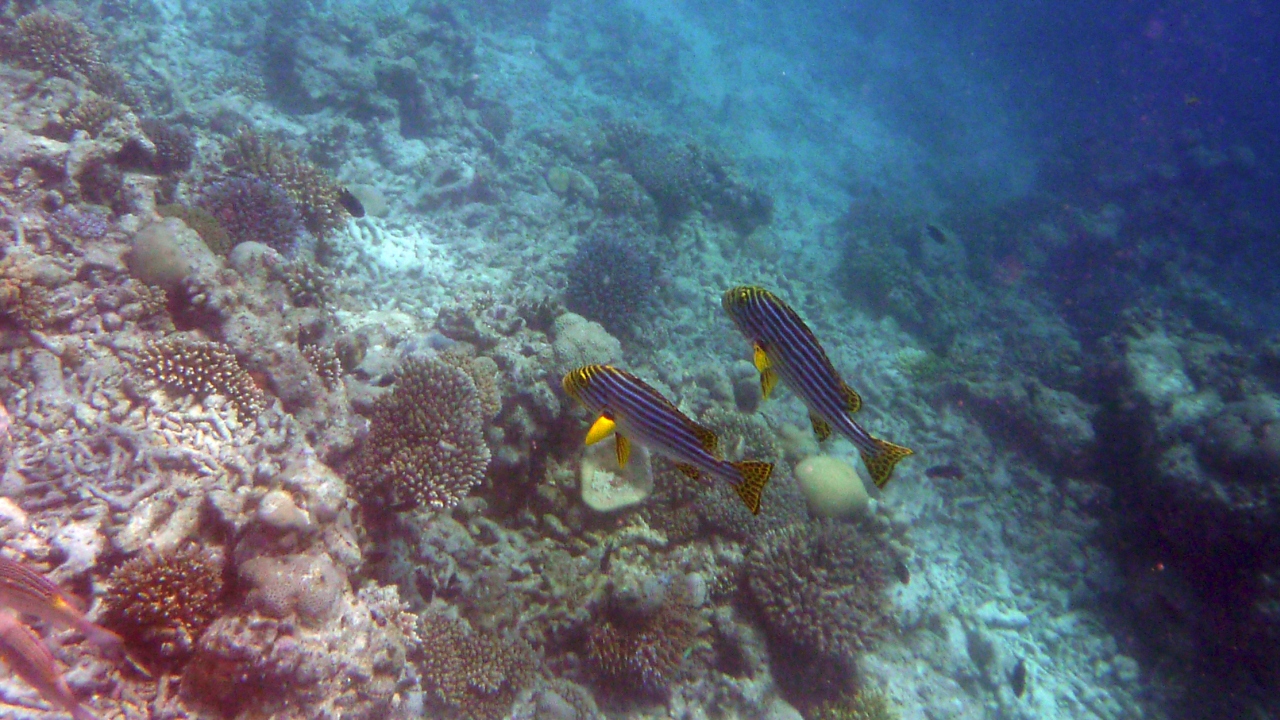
x=755 y=475
x=880 y=462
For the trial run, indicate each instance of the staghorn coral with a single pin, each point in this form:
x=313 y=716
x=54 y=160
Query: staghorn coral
x=57 y=45
x=426 y=442
x=474 y=676
x=201 y=367
x=325 y=362
x=205 y=224
x=309 y=284
x=254 y=210
x=822 y=586
x=317 y=194
x=175 y=146
x=91 y=115
x=163 y=602
x=639 y=645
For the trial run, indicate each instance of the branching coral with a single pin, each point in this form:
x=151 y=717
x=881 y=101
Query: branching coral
x=309 y=284
x=611 y=281
x=54 y=44
x=201 y=367
x=92 y=115
x=317 y=194
x=866 y=704
x=426 y=444
x=475 y=676
x=822 y=586
x=483 y=371
x=164 y=602
x=325 y=362
x=175 y=146
x=254 y=210
x=640 y=646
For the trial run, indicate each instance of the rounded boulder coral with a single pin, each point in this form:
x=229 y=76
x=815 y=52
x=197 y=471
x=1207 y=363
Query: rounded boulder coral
x=426 y=444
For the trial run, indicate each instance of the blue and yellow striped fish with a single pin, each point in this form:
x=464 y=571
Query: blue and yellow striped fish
x=631 y=410
x=786 y=349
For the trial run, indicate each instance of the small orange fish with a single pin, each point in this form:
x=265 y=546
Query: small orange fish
x=32 y=661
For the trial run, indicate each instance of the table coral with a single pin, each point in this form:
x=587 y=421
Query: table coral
x=426 y=446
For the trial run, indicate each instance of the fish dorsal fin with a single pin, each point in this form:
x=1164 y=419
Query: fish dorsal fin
x=821 y=429
x=852 y=401
x=690 y=471
x=707 y=439
x=755 y=475
x=623 y=446
x=602 y=428
x=881 y=460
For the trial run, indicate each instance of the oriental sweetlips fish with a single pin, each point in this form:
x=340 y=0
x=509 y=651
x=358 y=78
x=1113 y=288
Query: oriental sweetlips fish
x=629 y=409
x=32 y=661
x=786 y=349
x=28 y=592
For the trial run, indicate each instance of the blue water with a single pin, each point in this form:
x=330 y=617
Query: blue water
x=1040 y=240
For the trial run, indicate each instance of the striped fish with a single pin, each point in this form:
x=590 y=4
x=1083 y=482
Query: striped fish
x=786 y=349
x=627 y=408
x=30 y=593
x=31 y=660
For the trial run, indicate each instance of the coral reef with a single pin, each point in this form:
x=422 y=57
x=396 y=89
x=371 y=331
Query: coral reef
x=823 y=586
x=190 y=365
x=58 y=45
x=611 y=281
x=175 y=146
x=309 y=284
x=203 y=222
x=866 y=704
x=91 y=115
x=639 y=636
x=163 y=602
x=318 y=196
x=472 y=675
x=254 y=210
x=426 y=445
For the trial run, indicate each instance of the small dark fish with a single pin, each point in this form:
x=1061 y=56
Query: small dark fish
x=348 y=200
x=1018 y=678
x=606 y=558
x=902 y=571
x=936 y=233
x=948 y=471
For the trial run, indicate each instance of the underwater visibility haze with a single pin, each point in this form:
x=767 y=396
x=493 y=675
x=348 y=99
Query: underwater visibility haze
x=645 y=359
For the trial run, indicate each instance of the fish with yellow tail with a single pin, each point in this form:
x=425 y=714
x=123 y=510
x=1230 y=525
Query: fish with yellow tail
x=629 y=409
x=787 y=350
x=32 y=661
x=30 y=593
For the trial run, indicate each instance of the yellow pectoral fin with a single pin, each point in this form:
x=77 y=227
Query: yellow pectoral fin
x=623 y=446
x=602 y=428
x=761 y=359
x=768 y=379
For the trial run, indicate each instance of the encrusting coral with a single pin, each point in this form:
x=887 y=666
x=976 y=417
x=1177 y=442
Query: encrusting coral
x=198 y=367
x=822 y=586
x=426 y=444
x=474 y=675
x=163 y=602
x=317 y=194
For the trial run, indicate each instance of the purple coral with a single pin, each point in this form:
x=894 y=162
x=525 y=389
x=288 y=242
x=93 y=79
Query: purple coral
x=254 y=210
x=71 y=224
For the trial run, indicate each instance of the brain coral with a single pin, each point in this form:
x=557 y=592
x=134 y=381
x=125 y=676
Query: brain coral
x=201 y=367
x=611 y=281
x=474 y=675
x=426 y=441
x=821 y=586
x=164 y=602
x=254 y=210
